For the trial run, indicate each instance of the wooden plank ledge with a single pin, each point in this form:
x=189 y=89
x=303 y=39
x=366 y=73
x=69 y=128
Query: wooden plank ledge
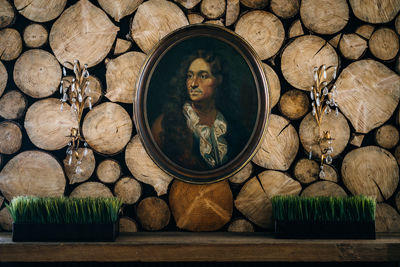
x=183 y=246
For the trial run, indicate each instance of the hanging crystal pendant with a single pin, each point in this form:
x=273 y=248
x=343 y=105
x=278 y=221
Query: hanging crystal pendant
x=337 y=112
x=315 y=75
x=80 y=99
x=61 y=86
x=325 y=91
x=85 y=151
x=314 y=111
x=69 y=160
x=334 y=72
x=62 y=106
x=312 y=93
x=324 y=71
x=318 y=102
x=73 y=85
x=78 y=169
x=310 y=153
x=90 y=102
x=322 y=173
x=64 y=71
x=328 y=159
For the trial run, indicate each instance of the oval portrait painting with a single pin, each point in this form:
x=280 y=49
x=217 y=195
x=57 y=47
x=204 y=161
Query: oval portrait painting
x=202 y=103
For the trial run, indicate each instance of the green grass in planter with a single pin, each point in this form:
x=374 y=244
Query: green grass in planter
x=60 y=210
x=324 y=209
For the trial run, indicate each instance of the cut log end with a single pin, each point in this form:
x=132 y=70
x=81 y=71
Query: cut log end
x=294 y=104
x=240 y=226
x=35 y=35
x=387 y=136
x=153 y=214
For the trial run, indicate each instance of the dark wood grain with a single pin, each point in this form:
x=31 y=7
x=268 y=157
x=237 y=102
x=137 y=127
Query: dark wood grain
x=168 y=246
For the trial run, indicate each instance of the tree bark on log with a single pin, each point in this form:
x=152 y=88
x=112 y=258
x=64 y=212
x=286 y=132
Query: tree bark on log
x=387 y=219
x=121 y=76
x=87 y=167
x=3 y=78
x=241 y=226
x=128 y=190
x=153 y=20
x=69 y=38
x=384 y=44
x=256 y=4
x=306 y=171
x=387 y=136
x=122 y=46
x=32 y=173
x=254 y=199
x=280 y=145
x=365 y=31
x=285 y=8
x=242 y=175
x=370 y=171
x=119 y=9
x=375 y=11
x=206 y=207
x=108 y=171
x=294 y=104
x=47 y=126
x=212 y=9
x=10 y=44
x=40 y=10
x=107 y=128
x=367 y=85
x=310 y=133
x=296 y=29
x=324 y=16
x=263 y=30
x=10 y=137
x=352 y=46
x=35 y=35
x=188 y=4
x=274 y=84
x=7 y=14
x=6 y=220
x=91 y=189
x=153 y=213
x=232 y=12
x=323 y=188
x=37 y=73
x=143 y=168
x=127 y=225
x=302 y=55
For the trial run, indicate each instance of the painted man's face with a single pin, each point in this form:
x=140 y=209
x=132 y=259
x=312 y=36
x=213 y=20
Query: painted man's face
x=200 y=82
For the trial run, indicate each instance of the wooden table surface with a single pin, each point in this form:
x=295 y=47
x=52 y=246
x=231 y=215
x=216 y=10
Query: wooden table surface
x=183 y=246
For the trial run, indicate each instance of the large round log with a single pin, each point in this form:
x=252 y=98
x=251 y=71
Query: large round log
x=119 y=9
x=32 y=173
x=387 y=219
x=153 y=213
x=296 y=29
x=35 y=35
x=88 y=163
x=285 y=8
x=263 y=30
x=128 y=190
x=254 y=199
x=323 y=188
x=280 y=145
x=365 y=31
x=127 y=225
x=213 y=9
x=371 y=171
x=5 y=220
x=82 y=32
x=10 y=44
x=143 y=168
x=7 y=14
x=384 y=43
x=201 y=207
x=324 y=16
x=3 y=78
x=352 y=46
x=108 y=171
x=121 y=76
x=232 y=12
x=91 y=189
x=153 y=20
x=367 y=85
x=37 y=73
x=122 y=46
x=302 y=55
x=241 y=226
x=273 y=83
x=294 y=104
x=387 y=136
x=259 y=4
x=107 y=128
x=306 y=171
x=40 y=10
x=188 y=4
x=375 y=11
x=47 y=126
x=242 y=175
x=10 y=137
x=310 y=133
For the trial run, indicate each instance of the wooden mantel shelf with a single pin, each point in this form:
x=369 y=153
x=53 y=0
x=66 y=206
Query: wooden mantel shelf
x=182 y=246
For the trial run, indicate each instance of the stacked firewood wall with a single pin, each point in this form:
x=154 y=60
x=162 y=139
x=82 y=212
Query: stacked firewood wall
x=291 y=37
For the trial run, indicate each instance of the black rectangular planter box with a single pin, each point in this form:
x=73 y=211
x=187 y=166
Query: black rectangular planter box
x=64 y=232
x=328 y=230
